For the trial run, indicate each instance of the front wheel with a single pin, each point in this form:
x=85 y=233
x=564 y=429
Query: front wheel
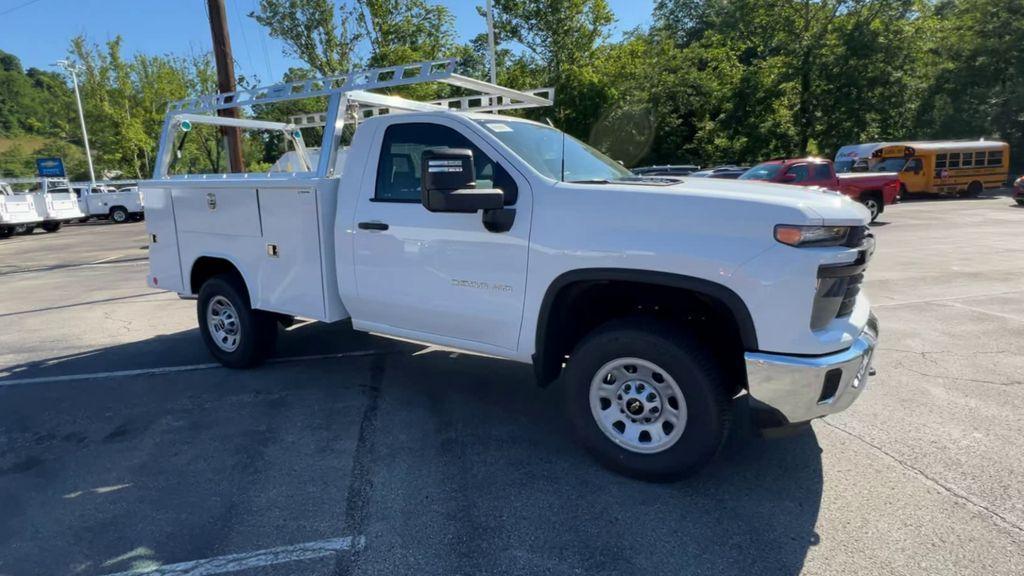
x=646 y=400
x=51 y=226
x=236 y=335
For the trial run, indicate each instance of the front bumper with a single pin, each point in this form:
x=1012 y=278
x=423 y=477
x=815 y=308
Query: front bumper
x=792 y=389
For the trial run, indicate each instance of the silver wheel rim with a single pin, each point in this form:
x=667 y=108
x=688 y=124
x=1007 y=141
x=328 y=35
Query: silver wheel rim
x=119 y=217
x=872 y=205
x=222 y=320
x=638 y=405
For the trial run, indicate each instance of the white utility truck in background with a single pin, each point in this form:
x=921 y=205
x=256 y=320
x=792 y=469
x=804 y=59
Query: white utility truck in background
x=655 y=303
x=17 y=212
x=104 y=202
x=55 y=204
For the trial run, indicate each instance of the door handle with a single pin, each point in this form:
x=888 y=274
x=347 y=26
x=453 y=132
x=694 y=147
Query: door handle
x=373 y=226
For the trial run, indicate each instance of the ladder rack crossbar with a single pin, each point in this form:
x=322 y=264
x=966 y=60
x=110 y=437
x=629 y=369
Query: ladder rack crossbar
x=491 y=102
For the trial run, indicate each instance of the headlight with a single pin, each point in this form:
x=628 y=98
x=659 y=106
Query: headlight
x=811 y=235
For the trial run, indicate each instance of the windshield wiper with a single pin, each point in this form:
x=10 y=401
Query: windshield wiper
x=593 y=181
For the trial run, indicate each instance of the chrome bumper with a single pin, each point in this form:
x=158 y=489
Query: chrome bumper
x=797 y=389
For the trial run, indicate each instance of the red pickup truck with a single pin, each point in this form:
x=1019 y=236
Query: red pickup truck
x=875 y=190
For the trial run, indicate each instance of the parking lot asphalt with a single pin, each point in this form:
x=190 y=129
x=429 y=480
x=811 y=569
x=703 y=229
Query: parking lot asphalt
x=124 y=449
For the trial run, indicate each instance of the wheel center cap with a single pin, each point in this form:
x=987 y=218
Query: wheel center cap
x=634 y=406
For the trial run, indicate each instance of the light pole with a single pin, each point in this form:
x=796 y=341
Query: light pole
x=70 y=67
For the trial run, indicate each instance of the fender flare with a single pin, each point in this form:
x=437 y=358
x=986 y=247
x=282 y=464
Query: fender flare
x=717 y=292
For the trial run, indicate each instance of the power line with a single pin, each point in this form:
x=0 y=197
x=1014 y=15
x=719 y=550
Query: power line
x=18 y=7
x=266 y=54
x=245 y=39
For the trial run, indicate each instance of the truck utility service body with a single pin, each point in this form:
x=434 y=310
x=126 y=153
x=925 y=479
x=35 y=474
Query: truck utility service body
x=543 y=257
x=119 y=206
x=55 y=204
x=17 y=211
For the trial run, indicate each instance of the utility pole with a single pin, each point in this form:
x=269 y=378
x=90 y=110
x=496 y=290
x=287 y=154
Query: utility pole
x=490 y=42
x=73 y=69
x=225 y=79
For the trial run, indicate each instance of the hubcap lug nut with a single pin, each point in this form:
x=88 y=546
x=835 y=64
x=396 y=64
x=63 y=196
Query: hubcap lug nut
x=640 y=387
x=627 y=388
x=652 y=397
x=654 y=410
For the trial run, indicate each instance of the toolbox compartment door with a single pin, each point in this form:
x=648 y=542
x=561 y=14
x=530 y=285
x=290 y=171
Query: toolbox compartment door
x=164 y=260
x=291 y=272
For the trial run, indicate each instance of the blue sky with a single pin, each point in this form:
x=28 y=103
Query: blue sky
x=38 y=31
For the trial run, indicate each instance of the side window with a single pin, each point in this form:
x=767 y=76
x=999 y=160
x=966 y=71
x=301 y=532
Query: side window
x=954 y=160
x=915 y=165
x=800 y=172
x=967 y=159
x=995 y=158
x=822 y=172
x=940 y=161
x=398 y=170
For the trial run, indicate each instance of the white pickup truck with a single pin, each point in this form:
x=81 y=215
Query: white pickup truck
x=17 y=212
x=105 y=203
x=655 y=303
x=55 y=204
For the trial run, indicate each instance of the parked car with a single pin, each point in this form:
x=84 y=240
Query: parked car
x=653 y=303
x=667 y=170
x=729 y=172
x=17 y=212
x=875 y=190
x=1018 y=190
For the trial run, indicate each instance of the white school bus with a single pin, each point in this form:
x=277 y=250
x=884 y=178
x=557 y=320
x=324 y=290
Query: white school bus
x=965 y=167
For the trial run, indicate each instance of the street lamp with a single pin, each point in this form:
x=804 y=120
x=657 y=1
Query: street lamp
x=73 y=69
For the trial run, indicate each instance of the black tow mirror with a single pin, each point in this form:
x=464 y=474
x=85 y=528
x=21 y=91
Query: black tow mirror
x=448 y=183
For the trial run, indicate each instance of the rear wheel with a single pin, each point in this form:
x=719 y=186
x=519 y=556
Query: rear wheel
x=236 y=335
x=6 y=232
x=873 y=204
x=974 y=189
x=647 y=401
x=119 y=215
x=51 y=226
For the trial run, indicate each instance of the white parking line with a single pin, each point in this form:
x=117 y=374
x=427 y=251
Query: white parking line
x=250 y=560
x=109 y=258
x=170 y=369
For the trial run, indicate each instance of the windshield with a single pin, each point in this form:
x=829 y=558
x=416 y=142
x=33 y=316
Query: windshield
x=765 y=171
x=889 y=165
x=555 y=154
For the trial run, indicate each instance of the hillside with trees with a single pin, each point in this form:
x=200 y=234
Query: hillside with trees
x=709 y=81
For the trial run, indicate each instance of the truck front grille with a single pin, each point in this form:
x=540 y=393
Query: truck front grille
x=839 y=284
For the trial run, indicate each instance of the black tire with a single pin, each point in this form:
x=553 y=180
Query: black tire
x=6 y=232
x=257 y=330
x=83 y=220
x=974 y=189
x=1020 y=201
x=874 y=205
x=119 y=215
x=686 y=361
x=51 y=226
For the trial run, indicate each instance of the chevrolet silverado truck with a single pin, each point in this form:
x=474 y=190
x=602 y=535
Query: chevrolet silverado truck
x=17 y=212
x=875 y=190
x=654 y=304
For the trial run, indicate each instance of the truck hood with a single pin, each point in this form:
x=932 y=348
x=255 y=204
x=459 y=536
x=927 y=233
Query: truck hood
x=816 y=205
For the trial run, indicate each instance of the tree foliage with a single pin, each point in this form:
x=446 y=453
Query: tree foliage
x=708 y=81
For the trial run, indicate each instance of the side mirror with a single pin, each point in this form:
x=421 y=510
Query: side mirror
x=448 y=183
x=789 y=177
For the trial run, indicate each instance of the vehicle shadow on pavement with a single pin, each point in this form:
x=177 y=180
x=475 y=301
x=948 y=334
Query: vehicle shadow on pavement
x=445 y=463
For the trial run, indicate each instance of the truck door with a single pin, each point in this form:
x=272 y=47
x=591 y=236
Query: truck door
x=440 y=274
